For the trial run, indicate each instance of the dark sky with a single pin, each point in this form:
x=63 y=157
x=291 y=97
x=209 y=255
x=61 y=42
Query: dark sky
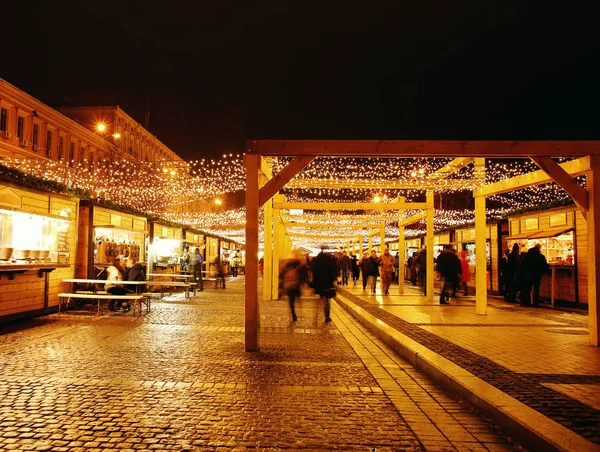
x=219 y=72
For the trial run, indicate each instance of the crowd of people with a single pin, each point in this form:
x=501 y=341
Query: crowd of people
x=521 y=273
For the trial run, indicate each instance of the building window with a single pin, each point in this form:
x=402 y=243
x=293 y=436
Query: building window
x=49 y=143
x=81 y=153
x=61 y=147
x=71 y=153
x=91 y=160
x=35 y=134
x=20 y=126
x=3 y=119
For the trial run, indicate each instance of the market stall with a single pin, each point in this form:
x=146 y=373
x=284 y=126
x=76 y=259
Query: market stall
x=37 y=243
x=105 y=234
x=465 y=241
x=165 y=247
x=562 y=236
x=193 y=239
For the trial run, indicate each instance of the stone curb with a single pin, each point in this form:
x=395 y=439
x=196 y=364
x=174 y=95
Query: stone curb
x=532 y=429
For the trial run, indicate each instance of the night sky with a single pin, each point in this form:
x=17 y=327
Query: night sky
x=223 y=71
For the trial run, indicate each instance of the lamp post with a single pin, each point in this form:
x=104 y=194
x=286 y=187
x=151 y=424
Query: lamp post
x=101 y=129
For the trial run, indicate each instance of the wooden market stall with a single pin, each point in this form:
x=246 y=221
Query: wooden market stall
x=464 y=239
x=105 y=234
x=193 y=239
x=38 y=235
x=562 y=233
x=165 y=247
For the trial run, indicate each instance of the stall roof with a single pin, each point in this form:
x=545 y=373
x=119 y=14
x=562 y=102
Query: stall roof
x=546 y=233
x=522 y=235
x=552 y=232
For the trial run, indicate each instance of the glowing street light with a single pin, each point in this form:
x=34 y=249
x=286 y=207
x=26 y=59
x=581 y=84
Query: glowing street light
x=100 y=127
x=218 y=202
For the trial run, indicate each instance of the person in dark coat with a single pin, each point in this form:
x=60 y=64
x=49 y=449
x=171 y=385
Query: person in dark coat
x=449 y=267
x=355 y=269
x=344 y=267
x=373 y=271
x=136 y=273
x=324 y=277
x=412 y=267
x=421 y=264
x=293 y=273
x=534 y=265
x=364 y=268
x=509 y=274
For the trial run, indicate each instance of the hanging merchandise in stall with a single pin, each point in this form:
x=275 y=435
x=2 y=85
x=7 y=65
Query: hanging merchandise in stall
x=106 y=234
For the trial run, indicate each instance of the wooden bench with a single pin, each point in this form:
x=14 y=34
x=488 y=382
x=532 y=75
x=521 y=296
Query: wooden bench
x=187 y=286
x=99 y=297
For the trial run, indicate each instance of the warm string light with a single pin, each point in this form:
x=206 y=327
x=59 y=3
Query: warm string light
x=184 y=192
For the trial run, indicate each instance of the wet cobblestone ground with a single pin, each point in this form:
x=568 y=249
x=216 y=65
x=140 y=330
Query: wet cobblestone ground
x=178 y=378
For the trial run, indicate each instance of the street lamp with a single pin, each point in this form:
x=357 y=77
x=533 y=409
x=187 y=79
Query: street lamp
x=101 y=129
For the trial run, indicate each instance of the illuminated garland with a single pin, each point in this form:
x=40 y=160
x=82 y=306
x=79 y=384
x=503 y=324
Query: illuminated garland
x=182 y=192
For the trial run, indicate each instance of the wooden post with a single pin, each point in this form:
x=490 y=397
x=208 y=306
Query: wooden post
x=593 y=225
x=429 y=245
x=252 y=163
x=480 y=258
x=401 y=252
x=278 y=238
x=268 y=251
x=370 y=244
x=382 y=237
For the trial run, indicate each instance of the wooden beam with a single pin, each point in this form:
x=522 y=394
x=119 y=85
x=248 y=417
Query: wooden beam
x=565 y=181
x=413 y=219
x=350 y=205
x=283 y=177
x=574 y=167
x=423 y=148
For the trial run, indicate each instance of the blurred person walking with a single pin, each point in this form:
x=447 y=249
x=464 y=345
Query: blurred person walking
x=387 y=263
x=421 y=264
x=197 y=261
x=355 y=269
x=324 y=278
x=449 y=266
x=293 y=273
x=465 y=273
x=364 y=268
x=373 y=272
x=344 y=267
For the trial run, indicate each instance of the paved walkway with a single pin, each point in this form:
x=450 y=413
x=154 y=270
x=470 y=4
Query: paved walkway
x=179 y=379
x=525 y=365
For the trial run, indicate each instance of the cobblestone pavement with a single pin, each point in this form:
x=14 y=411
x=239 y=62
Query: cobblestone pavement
x=540 y=357
x=178 y=378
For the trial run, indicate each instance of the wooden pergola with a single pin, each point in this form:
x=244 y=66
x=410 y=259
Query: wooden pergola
x=262 y=189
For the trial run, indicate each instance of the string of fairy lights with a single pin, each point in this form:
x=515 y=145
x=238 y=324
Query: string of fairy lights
x=180 y=190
